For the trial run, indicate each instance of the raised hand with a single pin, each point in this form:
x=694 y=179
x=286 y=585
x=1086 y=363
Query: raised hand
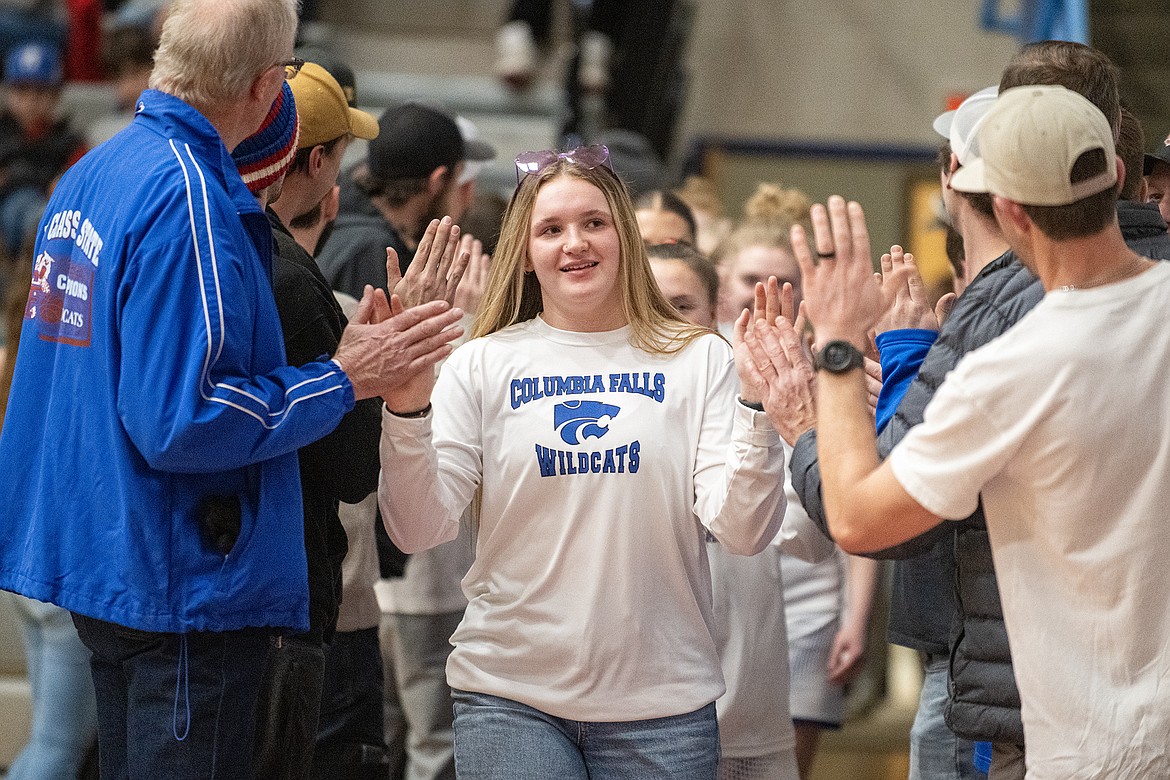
x=910 y=307
x=770 y=302
x=778 y=363
x=436 y=270
x=474 y=282
x=378 y=357
x=841 y=297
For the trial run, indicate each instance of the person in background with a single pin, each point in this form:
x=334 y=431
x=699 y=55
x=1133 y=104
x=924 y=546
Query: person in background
x=1157 y=173
x=127 y=59
x=36 y=145
x=687 y=280
x=756 y=733
x=829 y=602
x=64 y=713
x=349 y=739
x=422 y=608
x=411 y=176
x=663 y=218
x=711 y=222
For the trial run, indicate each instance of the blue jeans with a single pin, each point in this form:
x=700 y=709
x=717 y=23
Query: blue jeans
x=499 y=739
x=64 y=715
x=936 y=752
x=175 y=706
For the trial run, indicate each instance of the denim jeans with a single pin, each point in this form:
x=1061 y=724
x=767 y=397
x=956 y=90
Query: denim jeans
x=175 y=706
x=936 y=753
x=499 y=739
x=64 y=715
x=288 y=708
x=350 y=740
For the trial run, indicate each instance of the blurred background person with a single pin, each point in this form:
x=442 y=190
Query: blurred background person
x=36 y=144
x=828 y=604
x=664 y=218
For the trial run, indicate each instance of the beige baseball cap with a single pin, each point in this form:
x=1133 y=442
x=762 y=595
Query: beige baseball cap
x=323 y=109
x=1028 y=143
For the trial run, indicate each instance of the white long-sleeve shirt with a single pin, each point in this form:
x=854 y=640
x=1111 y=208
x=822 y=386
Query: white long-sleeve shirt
x=601 y=466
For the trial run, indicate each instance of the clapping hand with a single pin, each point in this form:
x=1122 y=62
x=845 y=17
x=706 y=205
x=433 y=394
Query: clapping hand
x=436 y=270
x=471 y=288
x=841 y=296
x=773 y=364
x=910 y=307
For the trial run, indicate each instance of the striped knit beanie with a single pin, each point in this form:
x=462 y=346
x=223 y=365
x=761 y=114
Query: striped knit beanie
x=263 y=157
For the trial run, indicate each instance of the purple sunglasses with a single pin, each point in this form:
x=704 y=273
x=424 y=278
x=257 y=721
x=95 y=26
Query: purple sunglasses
x=588 y=157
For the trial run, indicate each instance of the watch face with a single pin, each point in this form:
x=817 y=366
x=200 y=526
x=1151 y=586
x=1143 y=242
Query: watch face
x=840 y=356
x=836 y=355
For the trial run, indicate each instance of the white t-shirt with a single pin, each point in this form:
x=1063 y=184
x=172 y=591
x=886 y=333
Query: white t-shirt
x=814 y=593
x=431 y=583
x=749 y=598
x=1063 y=425
x=600 y=464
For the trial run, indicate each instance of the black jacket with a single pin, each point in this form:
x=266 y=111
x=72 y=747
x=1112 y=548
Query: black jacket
x=342 y=466
x=922 y=602
x=35 y=163
x=353 y=256
x=984 y=701
x=355 y=253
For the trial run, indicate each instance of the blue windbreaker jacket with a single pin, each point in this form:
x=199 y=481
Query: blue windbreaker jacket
x=151 y=375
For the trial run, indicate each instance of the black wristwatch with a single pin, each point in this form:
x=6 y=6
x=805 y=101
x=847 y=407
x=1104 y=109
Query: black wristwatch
x=839 y=357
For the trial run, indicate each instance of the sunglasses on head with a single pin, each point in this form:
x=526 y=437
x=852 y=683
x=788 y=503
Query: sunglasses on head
x=588 y=157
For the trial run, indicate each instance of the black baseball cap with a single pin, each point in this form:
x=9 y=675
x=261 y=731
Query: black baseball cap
x=1160 y=156
x=415 y=139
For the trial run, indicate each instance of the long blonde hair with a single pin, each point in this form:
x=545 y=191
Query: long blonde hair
x=514 y=296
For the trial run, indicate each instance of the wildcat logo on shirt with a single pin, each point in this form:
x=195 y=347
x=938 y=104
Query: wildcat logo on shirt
x=583 y=419
x=577 y=421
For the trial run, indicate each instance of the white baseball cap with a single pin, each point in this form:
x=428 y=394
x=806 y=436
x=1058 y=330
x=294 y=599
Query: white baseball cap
x=960 y=126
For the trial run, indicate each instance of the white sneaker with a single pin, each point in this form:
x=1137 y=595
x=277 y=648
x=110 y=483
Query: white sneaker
x=516 y=55
x=593 y=70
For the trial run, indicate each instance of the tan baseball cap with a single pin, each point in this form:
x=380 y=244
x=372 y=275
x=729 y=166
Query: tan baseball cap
x=323 y=110
x=1030 y=140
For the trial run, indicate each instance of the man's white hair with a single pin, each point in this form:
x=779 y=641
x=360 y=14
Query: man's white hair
x=212 y=50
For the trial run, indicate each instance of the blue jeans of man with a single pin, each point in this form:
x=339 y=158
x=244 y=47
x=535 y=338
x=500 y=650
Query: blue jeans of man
x=500 y=739
x=936 y=752
x=64 y=715
x=175 y=706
